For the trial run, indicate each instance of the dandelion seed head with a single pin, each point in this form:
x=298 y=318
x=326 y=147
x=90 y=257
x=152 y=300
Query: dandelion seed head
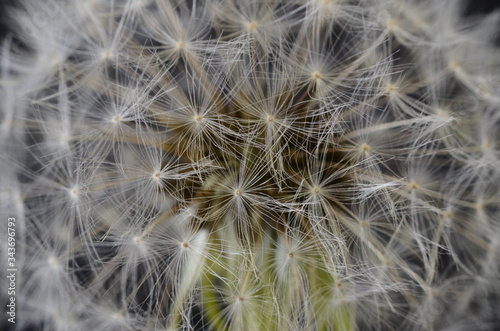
x=485 y=146
x=316 y=190
x=252 y=26
x=392 y=23
x=156 y=176
x=56 y=60
x=74 y=192
x=180 y=45
x=442 y=113
x=106 y=54
x=53 y=262
x=454 y=66
x=116 y=119
x=64 y=139
x=365 y=147
x=392 y=89
x=448 y=214
x=479 y=206
x=316 y=75
x=413 y=186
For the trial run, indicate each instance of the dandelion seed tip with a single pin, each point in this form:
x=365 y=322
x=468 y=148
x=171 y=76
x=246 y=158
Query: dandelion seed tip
x=441 y=113
x=156 y=175
x=454 y=66
x=365 y=147
x=252 y=26
x=316 y=190
x=106 y=54
x=56 y=60
x=74 y=192
x=448 y=214
x=413 y=186
x=238 y=192
x=271 y=118
x=316 y=75
x=116 y=119
x=363 y=224
x=240 y=299
x=391 y=88
x=479 y=206
x=392 y=23
x=198 y=118
x=485 y=146
x=325 y=2
x=116 y=316
x=184 y=245
x=291 y=255
x=52 y=261
x=180 y=45
x=338 y=285
x=137 y=240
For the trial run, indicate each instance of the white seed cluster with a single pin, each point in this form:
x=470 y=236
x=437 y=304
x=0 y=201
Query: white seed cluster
x=252 y=165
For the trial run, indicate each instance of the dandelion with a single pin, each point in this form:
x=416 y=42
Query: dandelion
x=252 y=165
